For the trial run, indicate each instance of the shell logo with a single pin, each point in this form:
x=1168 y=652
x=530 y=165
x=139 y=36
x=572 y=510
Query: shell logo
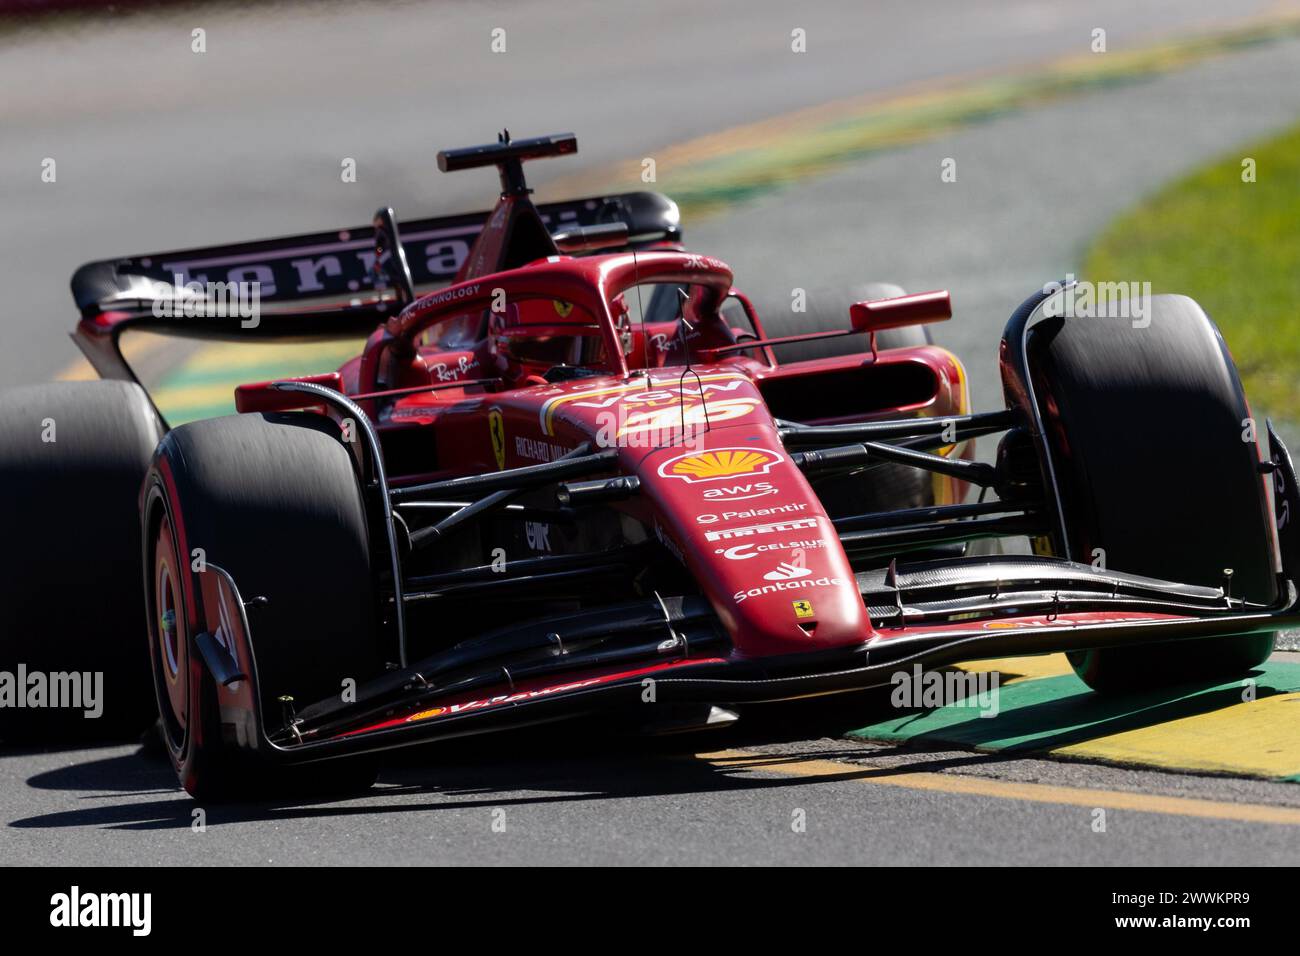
x=426 y=714
x=720 y=463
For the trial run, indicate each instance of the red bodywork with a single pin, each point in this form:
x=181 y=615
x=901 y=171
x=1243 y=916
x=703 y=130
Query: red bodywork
x=726 y=497
x=723 y=494
x=695 y=407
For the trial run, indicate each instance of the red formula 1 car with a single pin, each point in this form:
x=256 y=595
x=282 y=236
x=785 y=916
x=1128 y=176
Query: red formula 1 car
x=584 y=477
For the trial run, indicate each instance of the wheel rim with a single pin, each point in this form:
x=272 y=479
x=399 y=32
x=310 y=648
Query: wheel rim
x=170 y=640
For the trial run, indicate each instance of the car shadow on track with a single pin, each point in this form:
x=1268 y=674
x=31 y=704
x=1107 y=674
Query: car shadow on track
x=554 y=764
x=136 y=790
x=574 y=778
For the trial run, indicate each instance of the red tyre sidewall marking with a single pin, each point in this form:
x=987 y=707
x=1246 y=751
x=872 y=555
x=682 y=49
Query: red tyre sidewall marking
x=164 y=564
x=189 y=601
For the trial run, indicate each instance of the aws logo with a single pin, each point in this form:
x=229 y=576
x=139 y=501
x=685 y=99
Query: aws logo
x=755 y=489
x=720 y=463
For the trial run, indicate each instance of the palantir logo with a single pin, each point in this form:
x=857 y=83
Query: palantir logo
x=76 y=909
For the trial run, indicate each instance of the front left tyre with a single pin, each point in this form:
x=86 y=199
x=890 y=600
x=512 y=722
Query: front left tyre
x=1159 y=473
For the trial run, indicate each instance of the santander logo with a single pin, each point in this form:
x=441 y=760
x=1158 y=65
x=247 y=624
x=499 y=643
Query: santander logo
x=785 y=571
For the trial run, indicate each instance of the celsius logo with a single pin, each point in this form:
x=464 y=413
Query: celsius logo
x=786 y=571
x=74 y=909
x=740 y=492
x=720 y=463
x=743 y=552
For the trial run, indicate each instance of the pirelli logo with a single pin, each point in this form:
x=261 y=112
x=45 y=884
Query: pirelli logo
x=725 y=534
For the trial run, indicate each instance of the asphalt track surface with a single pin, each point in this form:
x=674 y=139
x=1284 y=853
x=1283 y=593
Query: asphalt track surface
x=158 y=148
x=157 y=151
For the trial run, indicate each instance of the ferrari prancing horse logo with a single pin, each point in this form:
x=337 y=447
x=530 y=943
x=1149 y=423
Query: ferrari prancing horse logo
x=497 y=428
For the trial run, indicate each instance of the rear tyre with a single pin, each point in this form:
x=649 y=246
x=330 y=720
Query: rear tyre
x=72 y=457
x=275 y=501
x=1123 y=408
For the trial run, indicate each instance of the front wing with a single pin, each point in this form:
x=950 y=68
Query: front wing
x=416 y=710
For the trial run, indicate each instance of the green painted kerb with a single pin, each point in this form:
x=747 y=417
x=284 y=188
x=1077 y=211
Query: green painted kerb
x=1049 y=712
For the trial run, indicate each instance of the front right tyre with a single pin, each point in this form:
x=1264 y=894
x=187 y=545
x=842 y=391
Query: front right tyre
x=275 y=501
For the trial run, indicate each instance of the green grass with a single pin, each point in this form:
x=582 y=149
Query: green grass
x=1233 y=246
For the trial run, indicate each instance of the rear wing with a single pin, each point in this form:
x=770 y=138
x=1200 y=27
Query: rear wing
x=335 y=271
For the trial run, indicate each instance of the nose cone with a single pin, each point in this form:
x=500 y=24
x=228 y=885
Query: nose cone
x=752 y=531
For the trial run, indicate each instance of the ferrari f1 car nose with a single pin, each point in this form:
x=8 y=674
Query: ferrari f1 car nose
x=752 y=531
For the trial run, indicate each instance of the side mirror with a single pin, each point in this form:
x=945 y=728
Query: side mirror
x=917 y=309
